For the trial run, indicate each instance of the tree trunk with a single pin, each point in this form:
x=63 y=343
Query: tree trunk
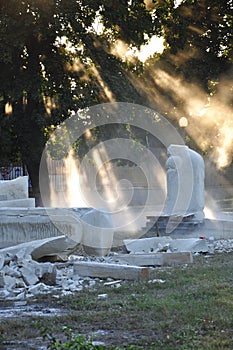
x=31 y=141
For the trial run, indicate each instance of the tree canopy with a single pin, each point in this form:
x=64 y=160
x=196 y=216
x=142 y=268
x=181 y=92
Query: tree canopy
x=61 y=55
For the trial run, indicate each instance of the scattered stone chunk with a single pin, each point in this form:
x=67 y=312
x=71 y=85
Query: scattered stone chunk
x=29 y=276
x=116 y=271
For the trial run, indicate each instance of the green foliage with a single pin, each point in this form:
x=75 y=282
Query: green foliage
x=49 y=55
x=72 y=341
x=201 y=30
x=53 y=60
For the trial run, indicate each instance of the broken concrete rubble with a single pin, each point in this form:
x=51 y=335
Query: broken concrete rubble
x=40 y=248
x=159 y=244
x=18 y=275
x=21 y=277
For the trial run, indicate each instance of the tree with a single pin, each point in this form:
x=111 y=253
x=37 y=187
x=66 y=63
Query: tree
x=46 y=49
x=192 y=78
x=56 y=56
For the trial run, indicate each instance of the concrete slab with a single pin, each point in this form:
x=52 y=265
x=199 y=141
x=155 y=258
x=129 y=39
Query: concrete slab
x=157 y=259
x=40 y=248
x=18 y=203
x=14 y=189
x=146 y=245
x=194 y=245
x=115 y=271
x=19 y=225
x=155 y=244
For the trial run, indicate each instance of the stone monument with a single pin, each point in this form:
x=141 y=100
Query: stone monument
x=185 y=182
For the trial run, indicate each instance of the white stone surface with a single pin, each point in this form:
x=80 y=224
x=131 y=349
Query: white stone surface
x=194 y=245
x=185 y=182
x=97 y=232
x=18 y=225
x=66 y=281
x=18 y=203
x=1 y=261
x=29 y=275
x=14 y=189
x=40 y=248
x=157 y=244
x=146 y=245
x=73 y=222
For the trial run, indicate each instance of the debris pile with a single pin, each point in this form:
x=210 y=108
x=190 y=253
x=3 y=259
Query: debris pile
x=223 y=246
x=23 y=276
x=20 y=276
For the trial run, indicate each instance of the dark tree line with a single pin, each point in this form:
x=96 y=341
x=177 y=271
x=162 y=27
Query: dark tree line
x=54 y=60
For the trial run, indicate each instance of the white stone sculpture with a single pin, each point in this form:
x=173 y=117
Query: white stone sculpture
x=185 y=182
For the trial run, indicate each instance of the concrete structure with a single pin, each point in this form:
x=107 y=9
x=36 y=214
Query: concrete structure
x=90 y=227
x=20 y=225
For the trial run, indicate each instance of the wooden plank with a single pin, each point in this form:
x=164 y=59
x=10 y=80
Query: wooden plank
x=157 y=259
x=115 y=271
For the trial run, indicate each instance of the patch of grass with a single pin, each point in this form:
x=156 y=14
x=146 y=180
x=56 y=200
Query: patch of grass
x=193 y=309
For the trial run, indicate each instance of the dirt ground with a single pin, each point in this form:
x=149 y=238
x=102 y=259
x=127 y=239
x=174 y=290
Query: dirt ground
x=185 y=307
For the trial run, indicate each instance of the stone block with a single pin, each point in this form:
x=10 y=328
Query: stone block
x=46 y=272
x=29 y=275
x=39 y=248
x=146 y=245
x=155 y=244
x=10 y=271
x=10 y=282
x=156 y=259
x=14 y=189
x=19 y=225
x=185 y=182
x=18 y=203
x=194 y=245
x=115 y=271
